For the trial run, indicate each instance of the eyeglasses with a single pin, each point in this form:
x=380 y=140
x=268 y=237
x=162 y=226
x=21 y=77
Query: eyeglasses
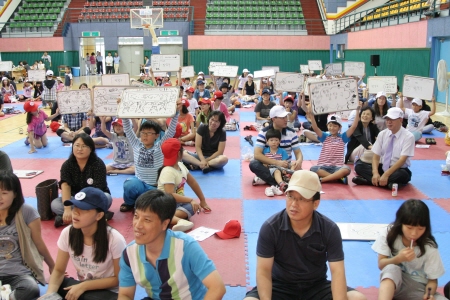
x=148 y=133
x=300 y=200
x=79 y=146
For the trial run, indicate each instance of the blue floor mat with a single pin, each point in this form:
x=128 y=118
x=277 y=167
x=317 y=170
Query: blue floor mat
x=434 y=134
x=310 y=152
x=115 y=184
x=234 y=292
x=361 y=264
x=247 y=116
x=423 y=169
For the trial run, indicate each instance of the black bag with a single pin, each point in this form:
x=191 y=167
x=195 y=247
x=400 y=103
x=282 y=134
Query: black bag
x=46 y=191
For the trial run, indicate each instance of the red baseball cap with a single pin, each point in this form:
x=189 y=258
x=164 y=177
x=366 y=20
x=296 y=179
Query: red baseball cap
x=218 y=95
x=231 y=230
x=185 y=102
x=289 y=98
x=167 y=84
x=170 y=149
x=117 y=122
x=54 y=126
x=204 y=101
x=190 y=89
x=30 y=106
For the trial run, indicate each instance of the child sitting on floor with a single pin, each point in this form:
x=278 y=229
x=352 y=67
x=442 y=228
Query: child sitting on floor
x=330 y=166
x=273 y=151
x=417 y=117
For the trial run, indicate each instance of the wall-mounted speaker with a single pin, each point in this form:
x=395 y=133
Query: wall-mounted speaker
x=375 y=60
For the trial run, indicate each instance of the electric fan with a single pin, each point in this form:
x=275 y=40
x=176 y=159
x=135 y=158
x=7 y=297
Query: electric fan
x=443 y=83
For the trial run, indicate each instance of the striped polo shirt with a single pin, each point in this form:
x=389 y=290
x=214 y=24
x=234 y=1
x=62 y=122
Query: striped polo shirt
x=289 y=140
x=332 y=153
x=179 y=271
x=148 y=161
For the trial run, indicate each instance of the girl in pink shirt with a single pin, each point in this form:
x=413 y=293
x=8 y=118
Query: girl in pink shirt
x=218 y=105
x=27 y=88
x=37 y=129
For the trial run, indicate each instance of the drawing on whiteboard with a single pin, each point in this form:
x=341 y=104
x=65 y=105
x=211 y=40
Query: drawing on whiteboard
x=308 y=81
x=74 y=101
x=36 y=75
x=105 y=99
x=264 y=73
x=116 y=79
x=213 y=64
x=289 y=82
x=150 y=102
x=418 y=87
x=333 y=69
x=226 y=71
x=377 y=84
x=333 y=95
x=6 y=65
x=354 y=68
x=315 y=65
x=163 y=62
x=304 y=69
x=187 y=72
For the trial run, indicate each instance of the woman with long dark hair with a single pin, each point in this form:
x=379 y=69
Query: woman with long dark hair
x=93 y=247
x=83 y=169
x=20 y=233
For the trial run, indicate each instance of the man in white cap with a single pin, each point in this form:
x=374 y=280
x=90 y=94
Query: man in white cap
x=294 y=246
x=392 y=152
x=289 y=142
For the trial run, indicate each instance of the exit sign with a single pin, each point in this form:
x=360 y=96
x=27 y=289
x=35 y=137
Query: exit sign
x=90 y=33
x=169 y=32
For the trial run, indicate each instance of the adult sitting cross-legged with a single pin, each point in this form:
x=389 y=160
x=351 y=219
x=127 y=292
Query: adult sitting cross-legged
x=289 y=142
x=392 y=151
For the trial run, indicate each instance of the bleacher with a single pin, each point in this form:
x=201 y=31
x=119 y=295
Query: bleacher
x=253 y=14
x=37 y=15
x=392 y=10
x=119 y=11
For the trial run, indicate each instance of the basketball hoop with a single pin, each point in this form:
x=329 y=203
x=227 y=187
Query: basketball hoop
x=147 y=30
x=147 y=19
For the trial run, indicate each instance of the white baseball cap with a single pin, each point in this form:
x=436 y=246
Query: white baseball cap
x=382 y=93
x=278 y=111
x=250 y=75
x=306 y=183
x=200 y=73
x=245 y=71
x=333 y=118
x=394 y=113
x=417 y=101
x=49 y=73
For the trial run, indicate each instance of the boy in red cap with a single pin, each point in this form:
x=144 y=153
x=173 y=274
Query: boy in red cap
x=172 y=178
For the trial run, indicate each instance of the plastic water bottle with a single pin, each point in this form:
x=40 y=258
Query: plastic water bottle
x=447 y=161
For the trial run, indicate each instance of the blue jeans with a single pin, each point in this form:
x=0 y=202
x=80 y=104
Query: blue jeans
x=58 y=206
x=133 y=187
x=22 y=286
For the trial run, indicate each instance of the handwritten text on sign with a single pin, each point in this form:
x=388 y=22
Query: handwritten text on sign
x=74 y=101
x=161 y=62
x=289 y=82
x=155 y=102
x=354 y=68
x=418 y=87
x=333 y=95
x=377 y=84
x=116 y=79
x=105 y=99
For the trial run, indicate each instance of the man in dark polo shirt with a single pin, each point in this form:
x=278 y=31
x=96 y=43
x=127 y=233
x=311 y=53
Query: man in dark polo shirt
x=294 y=246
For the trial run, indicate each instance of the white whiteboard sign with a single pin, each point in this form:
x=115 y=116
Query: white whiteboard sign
x=418 y=87
x=187 y=72
x=264 y=73
x=315 y=65
x=308 y=81
x=361 y=231
x=6 y=65
x=159 y=74
x=304 y=69
x=377 y=84
x=154 y=102
x=105 y=99
x=75 y=101
x=226 y=71
x=36 y=75
x=116 y=79
x=213 y=64
x=289 y=82
x=354 y=68
x=274 y=68
x=333 y=69
x=165 y=62
x=138 y=83
x=333 y=95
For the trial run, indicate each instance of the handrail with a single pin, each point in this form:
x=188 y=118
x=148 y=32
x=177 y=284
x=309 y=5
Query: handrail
x=5 y=7
x=347 y=10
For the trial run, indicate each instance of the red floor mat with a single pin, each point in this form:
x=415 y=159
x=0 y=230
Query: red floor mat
x=434 y=152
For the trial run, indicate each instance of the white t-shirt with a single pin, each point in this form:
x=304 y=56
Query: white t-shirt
x=170 y=175
x=109 y=61
x=428 y=266
x=86 y=268
x=193 y=105
x=416 y=121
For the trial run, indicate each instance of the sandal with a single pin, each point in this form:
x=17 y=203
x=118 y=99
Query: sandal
x=125 y=207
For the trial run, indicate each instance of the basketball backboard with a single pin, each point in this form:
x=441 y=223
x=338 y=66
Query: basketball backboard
x=146 y=16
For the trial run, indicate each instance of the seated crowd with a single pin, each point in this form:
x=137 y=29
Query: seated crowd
x=294 y=245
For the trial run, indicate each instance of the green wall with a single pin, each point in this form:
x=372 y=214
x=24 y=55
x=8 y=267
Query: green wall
x=287 y=60
x=394 y=62
x=69 y=58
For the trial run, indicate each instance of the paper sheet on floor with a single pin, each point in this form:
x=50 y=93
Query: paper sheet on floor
x=202 y=233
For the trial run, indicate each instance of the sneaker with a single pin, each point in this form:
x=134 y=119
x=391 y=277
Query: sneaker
x=359 y=180
x=258 y=181
x=27 y=142
x=182 y=225
x=189 y=143
x=302 y=138
x=269 y=192
x=276 y=190
x=59 y=221
x=344 y=180
x=283 y=186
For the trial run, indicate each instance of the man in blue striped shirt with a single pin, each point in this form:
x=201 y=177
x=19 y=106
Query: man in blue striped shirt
x=168 y=264
x=148 y=158
x=289 y=142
